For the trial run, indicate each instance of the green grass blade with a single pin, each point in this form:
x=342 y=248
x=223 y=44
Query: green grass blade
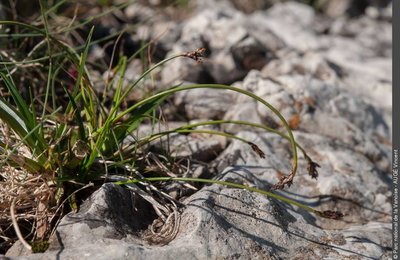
x=148 y=139
x=50 y=51
x=77 y=114
x=21 y=104
x=122 y=64
x=131 y=86
x=13 y=118
x=324 y=214
x=239 y=122
x=20 y=161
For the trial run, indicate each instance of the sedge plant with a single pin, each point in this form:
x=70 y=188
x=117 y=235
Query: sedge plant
x=82 y=141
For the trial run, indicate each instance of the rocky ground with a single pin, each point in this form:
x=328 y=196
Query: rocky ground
x=330 y=77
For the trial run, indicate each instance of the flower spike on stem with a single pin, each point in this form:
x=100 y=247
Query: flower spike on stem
x=256 y=149
x=196 y=55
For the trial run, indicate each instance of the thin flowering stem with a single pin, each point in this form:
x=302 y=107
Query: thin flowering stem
x=325 y=214
x=286 y=180
x=311 y=165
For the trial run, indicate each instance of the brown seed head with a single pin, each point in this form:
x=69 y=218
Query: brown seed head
x=331 y=214
x=196 y=55
x=257 y=149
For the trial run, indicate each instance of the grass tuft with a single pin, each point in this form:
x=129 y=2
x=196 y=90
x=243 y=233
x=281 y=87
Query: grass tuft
x=63 y=138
